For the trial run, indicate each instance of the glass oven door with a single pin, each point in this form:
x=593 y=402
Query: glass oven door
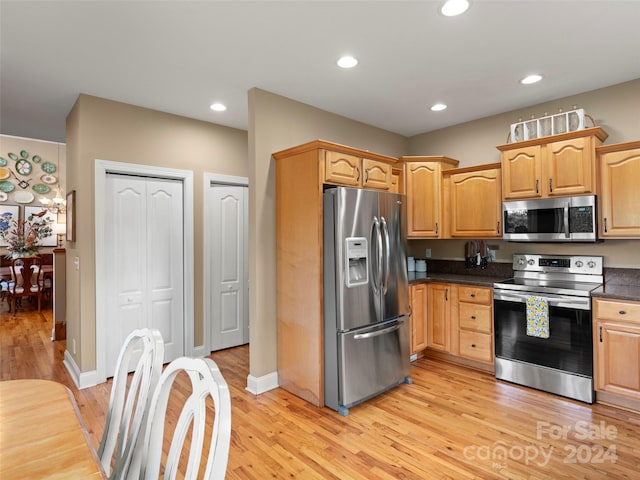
x=569 y=347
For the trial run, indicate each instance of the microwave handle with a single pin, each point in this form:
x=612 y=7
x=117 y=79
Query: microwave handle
x=566 y=220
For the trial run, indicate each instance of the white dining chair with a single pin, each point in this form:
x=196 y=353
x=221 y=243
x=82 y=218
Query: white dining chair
x=142 y=352
x=207 y=384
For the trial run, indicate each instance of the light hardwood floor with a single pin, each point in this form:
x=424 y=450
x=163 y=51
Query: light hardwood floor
x=451 y=423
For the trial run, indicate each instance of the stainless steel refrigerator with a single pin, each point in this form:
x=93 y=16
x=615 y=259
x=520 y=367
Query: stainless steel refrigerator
x=366 y=298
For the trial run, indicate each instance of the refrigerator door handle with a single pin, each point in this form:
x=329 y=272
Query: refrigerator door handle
x=377 y=274
x=393 y=328
x=387 y=255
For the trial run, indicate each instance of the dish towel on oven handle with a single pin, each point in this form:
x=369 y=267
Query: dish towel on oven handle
x=537 y=317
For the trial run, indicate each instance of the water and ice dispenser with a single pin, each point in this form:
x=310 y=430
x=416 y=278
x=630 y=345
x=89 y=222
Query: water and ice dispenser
x=357 y=261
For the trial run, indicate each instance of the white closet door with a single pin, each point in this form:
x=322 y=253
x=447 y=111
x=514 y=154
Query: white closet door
x=228 y=227
x=144 y=245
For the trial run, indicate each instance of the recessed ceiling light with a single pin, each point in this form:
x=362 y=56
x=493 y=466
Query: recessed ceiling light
x=529 y=79
x=451 y=8
x=218 y=107
x=347 y=61
x=438 y=107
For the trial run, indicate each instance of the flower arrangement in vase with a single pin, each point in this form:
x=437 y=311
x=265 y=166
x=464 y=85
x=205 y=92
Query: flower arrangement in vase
x=22 y=236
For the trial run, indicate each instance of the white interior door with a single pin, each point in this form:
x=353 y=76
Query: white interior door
x=145 y=246
x=227 y=230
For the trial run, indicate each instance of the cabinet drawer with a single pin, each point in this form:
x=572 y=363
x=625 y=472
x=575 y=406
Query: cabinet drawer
x=476 y=346
x=475 y=317
x=475 y=295
x=616 y=310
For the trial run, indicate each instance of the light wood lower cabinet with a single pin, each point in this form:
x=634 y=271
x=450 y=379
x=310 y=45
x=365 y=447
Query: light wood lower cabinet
x=439 y=316
x=616 y=336
x=460 y=323
x=475 y=323
x=418 y=302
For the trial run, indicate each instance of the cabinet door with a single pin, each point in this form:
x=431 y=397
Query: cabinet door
x=438 y=318
x=423 y=199
x=620 y=196
x=569 y=167
x=522 y=172
x=418 y=299
x=342 y=169
x=376 y=174
x=476 y=204
x=617 y=363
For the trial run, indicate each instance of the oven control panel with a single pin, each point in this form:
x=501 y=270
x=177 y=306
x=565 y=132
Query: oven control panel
x=589 y=265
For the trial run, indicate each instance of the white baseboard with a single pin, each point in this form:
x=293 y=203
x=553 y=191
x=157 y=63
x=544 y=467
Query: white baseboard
x=80 y=379
x=258 y=385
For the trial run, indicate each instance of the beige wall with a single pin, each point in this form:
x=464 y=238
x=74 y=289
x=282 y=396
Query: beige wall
x=277 y=123
x=107 y=130
x=616 y=109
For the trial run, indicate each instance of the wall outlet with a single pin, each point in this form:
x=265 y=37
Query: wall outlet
x=427 y=253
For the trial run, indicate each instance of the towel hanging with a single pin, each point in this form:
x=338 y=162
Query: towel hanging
x=537 y=316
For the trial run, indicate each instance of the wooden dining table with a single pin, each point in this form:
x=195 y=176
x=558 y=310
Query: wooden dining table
x=42 y=434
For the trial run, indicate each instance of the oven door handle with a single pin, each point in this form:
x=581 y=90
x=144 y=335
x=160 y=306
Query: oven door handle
x=566 y=302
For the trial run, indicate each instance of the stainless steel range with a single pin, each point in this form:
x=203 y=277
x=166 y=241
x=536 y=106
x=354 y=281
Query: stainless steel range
x=557 y=355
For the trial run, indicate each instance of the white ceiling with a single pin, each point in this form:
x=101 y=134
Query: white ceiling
x=180 y=56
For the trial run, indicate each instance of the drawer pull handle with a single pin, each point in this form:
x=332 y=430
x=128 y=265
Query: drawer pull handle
x=473 y=345
x=472 y=295
x=622 y=312
x=473 y=317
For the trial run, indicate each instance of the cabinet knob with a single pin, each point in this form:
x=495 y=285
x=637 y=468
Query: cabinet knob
x=473 y=317
x=473 y=295
x=473 y=345
x=622 y=312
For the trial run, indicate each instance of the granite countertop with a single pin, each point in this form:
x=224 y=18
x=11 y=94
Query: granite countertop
x=477 y=280
x=618 y=292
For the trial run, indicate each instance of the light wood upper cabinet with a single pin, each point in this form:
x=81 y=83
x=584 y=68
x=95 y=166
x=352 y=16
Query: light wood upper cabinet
x=424 y=194
x=376 y=174
x=521 y=172
x=473 y=201
x=616 y=338
x=354 y=171
x=342 y=169
x=620 y=195
x=558 y=165
x=418 y=302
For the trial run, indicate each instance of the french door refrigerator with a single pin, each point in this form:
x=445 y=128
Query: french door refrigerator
x=366 y=298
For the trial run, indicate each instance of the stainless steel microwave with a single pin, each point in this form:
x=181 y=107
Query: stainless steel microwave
x=565 y=219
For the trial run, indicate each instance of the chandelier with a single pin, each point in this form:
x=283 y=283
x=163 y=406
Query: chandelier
x=57 y=204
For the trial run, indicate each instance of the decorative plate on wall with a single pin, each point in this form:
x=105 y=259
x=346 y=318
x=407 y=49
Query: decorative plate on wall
x=41 y=188
x=6 y=186
x=23 y=167
x=48 y=167
x=23 y=197
x=3 y=196
x=12 y=156
x=4 y=173
x=49 y=179
x=3 y=161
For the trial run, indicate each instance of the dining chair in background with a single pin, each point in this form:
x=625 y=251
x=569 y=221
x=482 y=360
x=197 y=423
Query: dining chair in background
x=142 y=353
x=208 y=389
x=25 y=274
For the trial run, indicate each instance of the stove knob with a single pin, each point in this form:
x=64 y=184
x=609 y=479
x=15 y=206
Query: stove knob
x=531 y=261
x=591 y=264
x=579 y=264
x=521 y=261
